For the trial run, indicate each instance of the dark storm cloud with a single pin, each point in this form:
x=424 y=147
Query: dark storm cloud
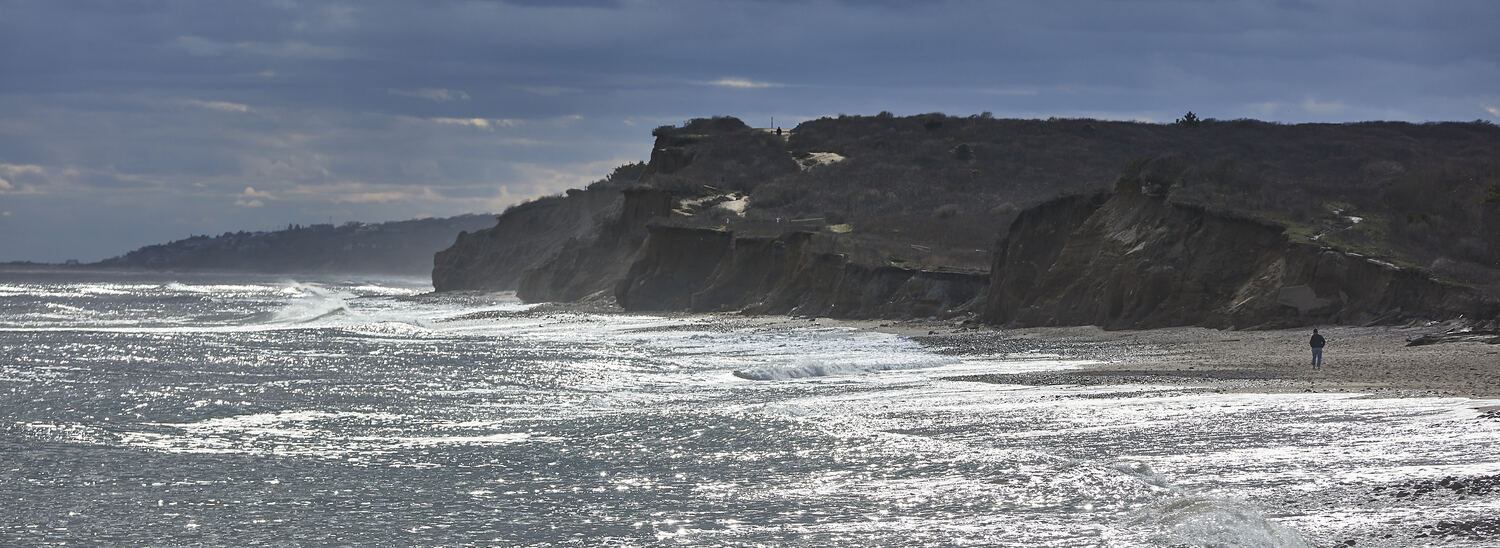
x=156 y=117
x=566 y=3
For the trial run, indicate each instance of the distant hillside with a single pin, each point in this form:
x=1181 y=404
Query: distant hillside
x=398 y=248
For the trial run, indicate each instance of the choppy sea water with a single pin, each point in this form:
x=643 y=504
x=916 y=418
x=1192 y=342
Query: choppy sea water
x=196 y=409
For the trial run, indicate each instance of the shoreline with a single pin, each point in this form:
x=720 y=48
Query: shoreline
x=1374 y=361
x=1368 y=360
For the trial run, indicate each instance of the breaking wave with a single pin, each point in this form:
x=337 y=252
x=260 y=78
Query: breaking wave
x=1200 y=520
x=816 y=367
x=1185 y=518
x=307 y=304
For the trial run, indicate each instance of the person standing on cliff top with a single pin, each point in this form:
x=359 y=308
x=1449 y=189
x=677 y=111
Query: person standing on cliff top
x=1317 y=343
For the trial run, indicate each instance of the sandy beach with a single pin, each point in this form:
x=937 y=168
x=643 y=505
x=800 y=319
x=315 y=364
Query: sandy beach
x=1373 y=360
x=1368 y=360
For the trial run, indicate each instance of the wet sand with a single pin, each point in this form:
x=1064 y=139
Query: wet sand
x=1372 y=360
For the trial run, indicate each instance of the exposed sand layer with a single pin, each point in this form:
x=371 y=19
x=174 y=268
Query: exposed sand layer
x=815 y=159
x=1372 y=360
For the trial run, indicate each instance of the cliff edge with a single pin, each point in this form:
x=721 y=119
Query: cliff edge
x=494 y=258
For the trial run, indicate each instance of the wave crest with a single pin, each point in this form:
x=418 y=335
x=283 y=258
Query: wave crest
x=812 y=367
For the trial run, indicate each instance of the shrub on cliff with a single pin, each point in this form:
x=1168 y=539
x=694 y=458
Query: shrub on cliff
x=1189 y=120
x=736 y=160
x=715 y=125
x=622 y=174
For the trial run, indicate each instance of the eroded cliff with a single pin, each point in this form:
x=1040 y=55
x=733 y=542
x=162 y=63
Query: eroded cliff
x=1241 y=223
x=523 y=237
x=589 y=266
x=1131 y=259
x=703 y=270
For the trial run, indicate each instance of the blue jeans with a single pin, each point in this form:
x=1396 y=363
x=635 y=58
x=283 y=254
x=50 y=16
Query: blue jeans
x=1317 y=357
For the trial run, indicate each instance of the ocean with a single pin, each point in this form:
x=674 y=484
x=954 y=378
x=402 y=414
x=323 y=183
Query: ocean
x=194 y=409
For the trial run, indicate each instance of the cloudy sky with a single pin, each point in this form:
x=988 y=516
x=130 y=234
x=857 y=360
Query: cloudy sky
x=129 y=123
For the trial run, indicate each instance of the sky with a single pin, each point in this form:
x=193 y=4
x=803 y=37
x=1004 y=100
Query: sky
x=124 y=124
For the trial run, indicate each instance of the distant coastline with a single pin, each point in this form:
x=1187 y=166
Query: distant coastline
x=400 y=248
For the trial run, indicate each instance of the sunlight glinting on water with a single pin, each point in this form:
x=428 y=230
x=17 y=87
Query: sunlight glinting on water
x=387 y=415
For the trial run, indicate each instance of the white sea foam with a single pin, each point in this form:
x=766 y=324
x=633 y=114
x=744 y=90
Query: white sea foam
x=179 y=287
x=282 y=421
x=500 y=438
x=310 y=303
x=107 y=289
x=316 y=433
x=37 y=292
x=64 y=307
x=372 y=289
x=1199 y=520
x=814 y=367
x=396 y=330
x=299 y=432
x=65 y=432
x=759 y=353
x=832 y=354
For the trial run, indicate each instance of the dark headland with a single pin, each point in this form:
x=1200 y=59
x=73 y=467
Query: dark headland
x=944 y=228
x=1225 y=224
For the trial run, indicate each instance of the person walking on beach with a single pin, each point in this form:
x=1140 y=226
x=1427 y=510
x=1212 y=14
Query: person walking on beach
x=1317 y=348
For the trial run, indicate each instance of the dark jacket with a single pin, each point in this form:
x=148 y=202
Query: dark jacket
x=1317 y=341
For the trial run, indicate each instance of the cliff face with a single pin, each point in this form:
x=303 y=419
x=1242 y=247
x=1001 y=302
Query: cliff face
x=704 y=270
x=1132 y=260
x=1240 y=223
x=587 y=266
x=705 y=157
x=524 y=236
